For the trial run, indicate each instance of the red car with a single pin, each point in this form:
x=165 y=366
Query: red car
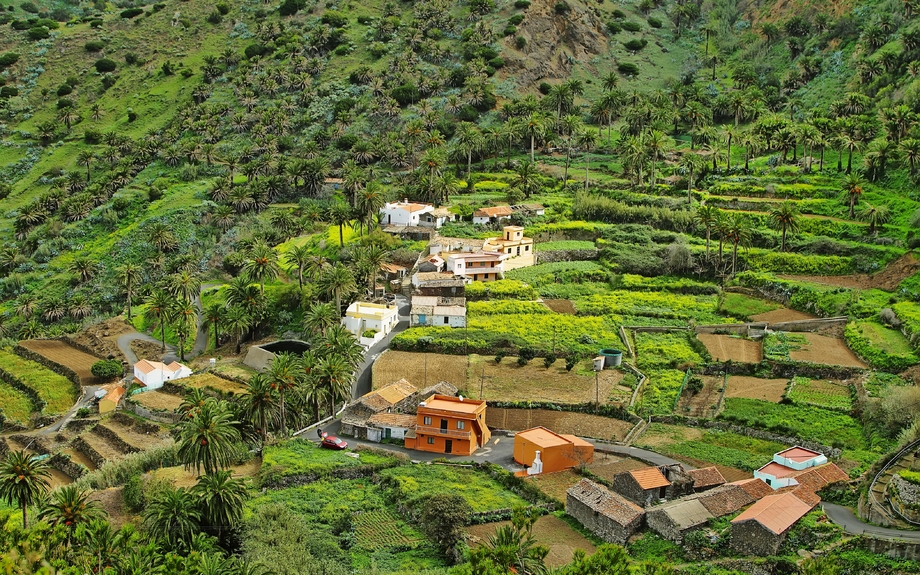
x=333 y=442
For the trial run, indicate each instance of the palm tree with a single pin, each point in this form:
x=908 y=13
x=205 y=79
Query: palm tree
x=739 y=234
x=370 y=200
x=220 y=499
x=70 y=506
x=185 y=315
x=238 y=321
x=208 y=439
x=284 y=374
x=85 y=158
x=128 y=274
x=262 y=265
x=340 y=215
x=370 y=259
x=23 y=480
x=853 y=188
x=469 y=139
x=707 y=216
x=319 y=318
x=213 y=316
x=259 y=402
x=335 y=375
x=159 y=308
x=785 y=217
x=533 y=127
x=84 y=268
x=587 y=139
x=298 y=256
x=339 y=281
x=656 y=144
x=874 y=216
x=526 y=178
x=513 y=549
x=910 y=150
x=172 y=515
x=162 y=237
x=511 y=130
x=185 y=285
x=690 y=162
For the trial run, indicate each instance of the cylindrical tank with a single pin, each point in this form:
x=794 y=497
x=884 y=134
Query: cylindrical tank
x=612 y=357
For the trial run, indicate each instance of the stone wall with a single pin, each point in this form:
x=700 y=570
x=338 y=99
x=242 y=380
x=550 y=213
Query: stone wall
x=904 y=498
x=64 y=464
x=53 y=366
x=625 y=485
x=899 y=549
x=158 y=416
x=113 y=438
x=599 y=524
x=89 y=452
x=78 y=425
x=752 y=538
x=551 y=256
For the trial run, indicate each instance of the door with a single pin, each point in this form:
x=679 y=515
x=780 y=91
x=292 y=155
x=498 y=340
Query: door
x=387 y=433
x=443 y=425
x=448 y=446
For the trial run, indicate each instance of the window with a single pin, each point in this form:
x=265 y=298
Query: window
x=461 y=424
x=427 y=421
x=431 y=441
x=518 y=251
x=446 y=320
x=526 y=248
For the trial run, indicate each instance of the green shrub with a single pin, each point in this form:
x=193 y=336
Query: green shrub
x=223 y=8
x=105 y=65
x=215 y=17
x=8 y=59
x=83 y=412
x=94 y=46
x=133 y=493
x=96 y=23
x=618 y=14
x=654 y=22
x=635 y=44
x=516 y=19
x=549 y=360
x=39 y=33
x=334 y=19
x=614 y=27
x=522 y=4
x=520 y=42
x=522 y=361
x=131 y=12
x=631 y=26
x=8 y=92
x=509 y=31
x=64 y=89
x=562 y=8
x=107 y=369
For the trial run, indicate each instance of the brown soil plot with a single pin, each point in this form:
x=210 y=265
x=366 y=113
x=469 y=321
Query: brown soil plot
x=557 y=483
x=419 y=368
x=887 y=279
x=781 y=315
x=756 y=388
x=726 y=347
x=136 y=439
x=549 y=530
x=66 y=355
x=606 y=465
x=158 y=400
x=147 y=350
x=581 y=424
x=79 y=457
x=214 y=382
x=826 y=351
x=101 y=337
x=701 y=404
x=102 y=446
x=181 y=477
x=560 y=306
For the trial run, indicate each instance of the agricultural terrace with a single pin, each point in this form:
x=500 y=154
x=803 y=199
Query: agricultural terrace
x=722 y=448
x=824 y=393
x=731 y=347
x=809 y=348
x=14 y=405
x=301 y=457
x=67 y=355
x=772 y=390
x=213 y=382
x=550 y=530
x=745 y=307
x=664 y=358
x=880 y=346
x=55 y=390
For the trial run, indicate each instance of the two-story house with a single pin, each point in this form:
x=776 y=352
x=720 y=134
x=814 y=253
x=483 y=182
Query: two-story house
x=478 y=266
x=517 y=247
x=446 y=424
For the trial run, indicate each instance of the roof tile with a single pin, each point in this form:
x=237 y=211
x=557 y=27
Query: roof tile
x=649 y=478
x=606 y=502
x=777 y=513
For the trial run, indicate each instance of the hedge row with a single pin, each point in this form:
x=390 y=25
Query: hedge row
x=877 y=358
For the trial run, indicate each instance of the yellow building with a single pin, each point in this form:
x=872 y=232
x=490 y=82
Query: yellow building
x=517 y=247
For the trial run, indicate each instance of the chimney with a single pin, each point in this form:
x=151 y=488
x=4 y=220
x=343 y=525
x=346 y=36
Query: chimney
x=405 y=200
x=422 y=404
x=461 y=398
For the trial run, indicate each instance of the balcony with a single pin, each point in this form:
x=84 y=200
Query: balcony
x=457 y=433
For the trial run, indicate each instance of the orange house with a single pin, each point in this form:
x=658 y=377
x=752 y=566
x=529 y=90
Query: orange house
x=446 y=424
x=557 y=452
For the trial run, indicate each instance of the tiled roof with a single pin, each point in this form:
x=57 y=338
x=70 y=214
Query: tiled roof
x=803 y=493
x=115 y=395
x=798 y=454
x=817 y=478
x=756 y=488
x=392 y=268
x=146 y=366
x=726 y=499
x=175 y=366
x=706 y=477
x=777 y=513
x=649 y=478
x=393 y=420
x=606 y=502
x=388 y=396
x=494 y=212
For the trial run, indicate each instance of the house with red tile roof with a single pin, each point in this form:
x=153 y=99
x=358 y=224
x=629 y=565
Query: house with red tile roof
x=762 y=528
x=406 y=213
x=642 y=486
x=706 y=478
x=153 y=374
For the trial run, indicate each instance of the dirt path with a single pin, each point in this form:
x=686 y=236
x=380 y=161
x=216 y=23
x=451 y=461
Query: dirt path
x=887 y=279
x=782 y=314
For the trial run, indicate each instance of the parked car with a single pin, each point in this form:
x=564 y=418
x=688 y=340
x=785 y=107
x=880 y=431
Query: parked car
x=333 y=442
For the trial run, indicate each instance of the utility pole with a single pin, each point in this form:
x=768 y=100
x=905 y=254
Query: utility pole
x=466 y=338
x=596 y=390
x=482 y=379
x=426 y=371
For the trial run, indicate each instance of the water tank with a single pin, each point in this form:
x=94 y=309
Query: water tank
x=612 y=357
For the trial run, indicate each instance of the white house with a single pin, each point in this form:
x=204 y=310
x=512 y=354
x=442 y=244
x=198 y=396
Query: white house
x=787 y=465
x=363 y=316
x=390 y=426
x=435 y=218
x=406 y=213
x=153 y=374
x=437 y=310
x=494 y=214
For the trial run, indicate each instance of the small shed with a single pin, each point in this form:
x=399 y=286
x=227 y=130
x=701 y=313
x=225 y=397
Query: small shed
x=606 y=514
x=642 y=486
x=110 y=400
x=391 y=425
x=675 y=519
x=557 y=452
x=706 y=478
x=761 y=529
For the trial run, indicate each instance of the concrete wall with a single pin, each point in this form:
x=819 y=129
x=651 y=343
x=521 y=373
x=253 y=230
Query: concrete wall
x=551 y=256
x=258 y=358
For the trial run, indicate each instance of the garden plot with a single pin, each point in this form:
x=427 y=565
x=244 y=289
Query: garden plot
x=79 y=457
x=102 y=446
x=134 y=438
x=66 y=355
x=209 y=380
x=234 y=369
x=581 y=424
x=55 y=390
x=606 y=465
x=826 y=351
x=549 y=530
x=557 y=483
x=782 y=314
x=702 y=403
x=158 y=400
x=14 y=404
x=508 y=381
x=179 y=476
x=734 y=348
x=700 y=448
x=560 y=306
x=827 y=393
x=384 y=529
x=771 y=390
x=419 y=368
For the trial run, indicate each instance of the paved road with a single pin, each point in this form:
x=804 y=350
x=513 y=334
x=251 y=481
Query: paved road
x=362 y=383
x=641 y=454
x=124 y=344
x=852 y=524
x=85 y=400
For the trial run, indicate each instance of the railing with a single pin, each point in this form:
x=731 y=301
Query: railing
x=891 y=462
x=447 y=432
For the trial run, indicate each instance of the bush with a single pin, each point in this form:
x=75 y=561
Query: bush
x=64 y=103
x=635 y=44
x=255 y=50
x=522 y=4
x=520 y=42
x=132 y=115
x=106 y=369
x=94 y=46
x=561 y=8
x=131 y=58
x=223 y=8
x=64 y=89
x=570 y=362
x=131 y=12
x=614 y=27
x=549 y=360
x=631 y=26
x=628 y=68
x=545 y=88
x=499 y=357
x=8 y=91
x=215 y=18
x=105 y=65
x=133 y=493
x=96 y=23
x=334 y=19
x=8 y=59
x=522 y=361
x=29 y=7
x=654 y=22
x=83 y=412
x=528 y=353
x=516 y=19
x=509 y=31
x=39 y=33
